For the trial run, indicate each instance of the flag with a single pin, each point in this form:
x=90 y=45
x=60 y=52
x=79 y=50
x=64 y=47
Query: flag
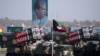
x=23 y=25
x=75 y=35
x=58 y=27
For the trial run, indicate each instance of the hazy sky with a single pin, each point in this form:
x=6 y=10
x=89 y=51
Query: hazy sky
x=65 y=10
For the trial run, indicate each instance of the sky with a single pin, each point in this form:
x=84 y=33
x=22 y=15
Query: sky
x=61 y=10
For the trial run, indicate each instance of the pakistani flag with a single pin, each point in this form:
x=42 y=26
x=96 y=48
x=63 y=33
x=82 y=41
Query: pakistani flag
x=58 y=27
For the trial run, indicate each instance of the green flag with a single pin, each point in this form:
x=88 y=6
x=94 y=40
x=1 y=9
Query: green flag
x=58 y=26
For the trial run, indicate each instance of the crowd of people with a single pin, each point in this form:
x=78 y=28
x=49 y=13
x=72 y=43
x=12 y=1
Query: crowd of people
x=39 y=48
x=88 y=49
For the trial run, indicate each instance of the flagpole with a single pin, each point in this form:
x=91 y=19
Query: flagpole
x=52 y=41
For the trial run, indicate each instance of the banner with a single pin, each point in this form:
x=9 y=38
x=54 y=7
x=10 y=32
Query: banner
x=86 y=32
x=74 y=38
x=14 y=29
x=17 y=41
x=75 y=35
x=23 y=33
x=39 y=32
x=10 y=36
x=39 y=12
x=21 y=39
